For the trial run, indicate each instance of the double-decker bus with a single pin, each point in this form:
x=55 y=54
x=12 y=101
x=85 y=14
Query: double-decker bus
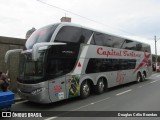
x=66 y=60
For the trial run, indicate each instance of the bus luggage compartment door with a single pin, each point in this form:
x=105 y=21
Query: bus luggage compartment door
x=57 y=89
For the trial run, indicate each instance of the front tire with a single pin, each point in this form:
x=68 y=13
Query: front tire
x=84 y=89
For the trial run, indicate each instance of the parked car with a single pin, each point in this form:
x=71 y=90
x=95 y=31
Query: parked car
x=158 y=68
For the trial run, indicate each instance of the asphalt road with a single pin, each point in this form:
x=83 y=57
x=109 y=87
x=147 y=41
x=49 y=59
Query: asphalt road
x=144 y=96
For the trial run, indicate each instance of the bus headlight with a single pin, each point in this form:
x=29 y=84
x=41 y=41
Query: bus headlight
x=36 y=91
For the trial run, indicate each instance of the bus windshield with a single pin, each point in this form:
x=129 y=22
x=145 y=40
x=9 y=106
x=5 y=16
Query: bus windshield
x=42 y=35
x=31 y=69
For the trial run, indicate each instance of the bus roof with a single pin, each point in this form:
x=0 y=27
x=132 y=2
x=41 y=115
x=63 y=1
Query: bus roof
x=77 y=25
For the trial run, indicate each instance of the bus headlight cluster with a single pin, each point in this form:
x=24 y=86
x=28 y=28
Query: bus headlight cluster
x=36 y=91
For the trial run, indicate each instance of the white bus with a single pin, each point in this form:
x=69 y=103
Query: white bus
x=65 y=60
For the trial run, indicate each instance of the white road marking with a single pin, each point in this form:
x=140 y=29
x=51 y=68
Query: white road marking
x=154 y=81
x=91 y=103
x=123 y=92
x=82 y=107
x=102 y=100
x=51 y=118
x=148 y=83
x=154 y=74
x=157 y=75
x=144 y=85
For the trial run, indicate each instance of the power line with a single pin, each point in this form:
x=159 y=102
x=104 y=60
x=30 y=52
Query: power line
x=85 y=17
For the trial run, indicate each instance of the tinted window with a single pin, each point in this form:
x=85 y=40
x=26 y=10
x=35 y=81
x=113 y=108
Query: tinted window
x=87 y=34
x=107 y=40
x=104 y=65
x=70 y=34
x=59 y=66
x=146 y=48
x=138 y=46
x=61 y=60
x=127 y=64
x=98 y=38
x=117 y=42
x=42 y=35
x=130 y=45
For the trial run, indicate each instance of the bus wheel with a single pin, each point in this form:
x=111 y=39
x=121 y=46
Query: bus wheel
x=99 y=88
x=84 y=89
x=144 y=76
x=138 y=78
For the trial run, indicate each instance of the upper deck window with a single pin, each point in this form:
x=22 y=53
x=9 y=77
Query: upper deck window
x=42 y=35
x=70 y=34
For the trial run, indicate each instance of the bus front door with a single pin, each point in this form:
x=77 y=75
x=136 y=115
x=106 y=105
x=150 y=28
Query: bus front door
x=57 y=89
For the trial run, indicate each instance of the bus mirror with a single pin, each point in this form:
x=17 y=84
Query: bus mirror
x=42 y=46
x=9 y=52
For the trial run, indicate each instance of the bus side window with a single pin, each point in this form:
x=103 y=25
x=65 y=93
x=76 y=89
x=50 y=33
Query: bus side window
x=107 y=40
x=146 y=48
x=70 y=34
x=115 y=64
x=138 y=47
x=91 y=68
x=98 y=37
x=129 y=45
x=87 y=34
x=117 y=42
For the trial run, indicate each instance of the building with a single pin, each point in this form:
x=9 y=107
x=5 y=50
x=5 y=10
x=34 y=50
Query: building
x=29 y=32
x=65 y=19
x=8 y=43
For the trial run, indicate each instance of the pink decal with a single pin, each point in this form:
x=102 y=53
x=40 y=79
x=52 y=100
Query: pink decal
x=120 y=77
x=99 y=51
x=57 y=89
x=144 y=62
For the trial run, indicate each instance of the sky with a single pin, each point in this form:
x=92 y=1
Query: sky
x=134 y=19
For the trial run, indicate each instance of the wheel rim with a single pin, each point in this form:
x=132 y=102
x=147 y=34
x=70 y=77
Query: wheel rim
x=101 y=85
x=138 y=78
x=144 y=76
x=85 y=89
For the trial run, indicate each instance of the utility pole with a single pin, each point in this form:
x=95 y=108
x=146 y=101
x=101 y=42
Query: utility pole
x=156 y=51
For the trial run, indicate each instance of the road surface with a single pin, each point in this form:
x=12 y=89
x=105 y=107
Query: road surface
x=144 y=96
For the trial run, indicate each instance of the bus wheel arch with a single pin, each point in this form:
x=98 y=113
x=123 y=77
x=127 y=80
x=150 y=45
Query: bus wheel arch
x=101 y=85
x=85 y=88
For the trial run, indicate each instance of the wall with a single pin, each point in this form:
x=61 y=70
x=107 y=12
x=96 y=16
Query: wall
x=6 y=44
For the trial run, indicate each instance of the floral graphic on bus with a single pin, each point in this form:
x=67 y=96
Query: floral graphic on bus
x=73 y=86
x=120 y=77
x=144 y=62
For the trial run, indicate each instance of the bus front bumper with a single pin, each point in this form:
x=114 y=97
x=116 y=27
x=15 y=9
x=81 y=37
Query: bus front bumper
x=39 y=95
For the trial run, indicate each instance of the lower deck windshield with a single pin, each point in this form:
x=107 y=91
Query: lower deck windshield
x=29 y=69
x=52 y=63
x=61 y=60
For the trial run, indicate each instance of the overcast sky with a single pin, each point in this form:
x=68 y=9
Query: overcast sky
x=136 y=19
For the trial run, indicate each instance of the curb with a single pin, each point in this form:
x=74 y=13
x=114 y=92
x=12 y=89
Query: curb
x=18 y=100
